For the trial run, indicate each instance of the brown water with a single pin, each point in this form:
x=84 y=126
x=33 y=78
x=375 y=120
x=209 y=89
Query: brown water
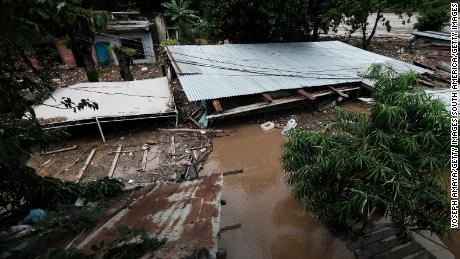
x=262 y=219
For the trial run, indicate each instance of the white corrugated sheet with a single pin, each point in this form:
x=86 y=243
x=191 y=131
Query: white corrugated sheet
x=116 y=100
x=216 y=71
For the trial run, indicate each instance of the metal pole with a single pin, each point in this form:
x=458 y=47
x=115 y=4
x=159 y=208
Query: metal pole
x=100 y=129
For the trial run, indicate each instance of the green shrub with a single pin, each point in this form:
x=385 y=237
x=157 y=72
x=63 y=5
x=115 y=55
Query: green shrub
x=433 y=16
x=389 y=163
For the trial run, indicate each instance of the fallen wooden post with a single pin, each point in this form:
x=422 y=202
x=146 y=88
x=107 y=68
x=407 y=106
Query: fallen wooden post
x=115 y=161
x=194 y=130
x=47 y=162
x=344 y=95
x=145 y=147
x=309 y=96
x=60 y=150
x=195 y=122
x=83 y=169
x=267 y=97
x=239 y=171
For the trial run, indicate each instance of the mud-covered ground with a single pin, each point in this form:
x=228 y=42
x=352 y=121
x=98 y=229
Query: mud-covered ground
x=167 y=153
x=107 y=74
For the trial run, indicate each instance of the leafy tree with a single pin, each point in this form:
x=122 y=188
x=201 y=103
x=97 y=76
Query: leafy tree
x=178 y=11
x=357 y=12
x=23 y=24
x=389 y=163
x=433 y=15
x=256 y=20
x=79 y=26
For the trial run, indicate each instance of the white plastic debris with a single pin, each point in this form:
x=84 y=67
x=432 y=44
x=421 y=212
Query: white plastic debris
x=292 y=124
x=203 y=132
x=130 y=181
x=144 y=69
x=79 y=202
x=267 y=125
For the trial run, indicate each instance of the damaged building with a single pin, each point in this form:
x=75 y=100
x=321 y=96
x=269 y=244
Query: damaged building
x=237 y=79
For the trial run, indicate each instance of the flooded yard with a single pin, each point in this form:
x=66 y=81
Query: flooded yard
x=261 y=218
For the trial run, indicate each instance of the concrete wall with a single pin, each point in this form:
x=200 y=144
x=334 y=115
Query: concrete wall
x=147 y=43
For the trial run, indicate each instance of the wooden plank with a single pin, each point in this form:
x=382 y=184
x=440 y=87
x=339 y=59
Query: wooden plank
x=60 y=150
x=427 y=83
x=255 y=106
x=115 y=161
x=144 y=159
x=195 y=122
x=344 y=95
x=267 y=97
x=193 y=130
x=173 y=152
x=309 y=96
x=83 y=169
x=47 y=162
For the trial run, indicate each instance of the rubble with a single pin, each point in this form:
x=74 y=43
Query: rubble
x=144 y=157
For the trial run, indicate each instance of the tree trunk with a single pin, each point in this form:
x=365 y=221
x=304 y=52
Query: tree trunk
x=84 y=50
x=367 y=42
x=315 y=30
x=124 y=63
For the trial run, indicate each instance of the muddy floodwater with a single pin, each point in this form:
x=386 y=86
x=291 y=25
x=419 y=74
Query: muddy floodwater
x=261 y=218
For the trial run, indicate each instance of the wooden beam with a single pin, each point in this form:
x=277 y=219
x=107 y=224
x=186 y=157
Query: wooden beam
x=144 y=158
x=344 y=95
x=309 y=96
x=267 y=97
x=83 y=169
x=115 y=161
x=60 y=150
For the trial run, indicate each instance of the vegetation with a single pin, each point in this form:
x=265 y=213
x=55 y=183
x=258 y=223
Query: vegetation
x=162 y=52
x=23 y=24
x=433 y=15
x=191 y=27
x=70 y=221
x=389 y=163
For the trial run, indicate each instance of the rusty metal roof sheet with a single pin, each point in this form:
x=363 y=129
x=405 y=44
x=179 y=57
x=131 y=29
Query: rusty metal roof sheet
x=433 y=35
x=216 y=71
x=186 y=214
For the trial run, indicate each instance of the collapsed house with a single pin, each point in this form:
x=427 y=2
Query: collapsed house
x=236 y=79
x=117 y=101
x=433 y=46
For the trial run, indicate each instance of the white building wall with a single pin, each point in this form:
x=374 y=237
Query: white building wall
x=147 y=43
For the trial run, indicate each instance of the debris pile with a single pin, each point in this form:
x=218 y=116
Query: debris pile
x=170 y=155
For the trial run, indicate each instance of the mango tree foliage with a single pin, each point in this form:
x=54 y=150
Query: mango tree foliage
x=390 y=163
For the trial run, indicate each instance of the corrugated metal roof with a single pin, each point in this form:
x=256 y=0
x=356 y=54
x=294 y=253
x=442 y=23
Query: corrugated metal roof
x=187 y=214
x=433 y=35
x=216 y=71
